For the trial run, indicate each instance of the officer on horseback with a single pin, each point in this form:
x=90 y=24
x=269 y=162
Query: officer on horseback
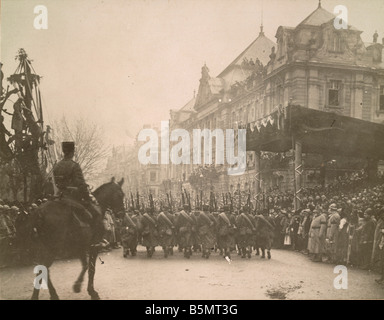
x=74 y=191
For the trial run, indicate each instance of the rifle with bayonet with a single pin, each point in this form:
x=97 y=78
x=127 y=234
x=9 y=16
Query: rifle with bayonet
x=137 y=200
x=132 y=202
x=189 y=200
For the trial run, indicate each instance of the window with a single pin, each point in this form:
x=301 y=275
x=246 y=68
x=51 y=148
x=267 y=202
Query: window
x=381 y=98
x=152 y=176
x=334 y=93
x=335 y=43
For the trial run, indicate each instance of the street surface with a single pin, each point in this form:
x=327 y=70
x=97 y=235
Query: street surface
x=289 y=275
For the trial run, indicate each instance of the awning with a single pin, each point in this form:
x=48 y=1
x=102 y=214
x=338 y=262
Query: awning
x=320 y=132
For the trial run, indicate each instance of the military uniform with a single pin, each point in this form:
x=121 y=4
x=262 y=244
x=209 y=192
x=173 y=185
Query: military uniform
x=332 y=234
x=131 y=226
x=150 y=233
x=246 y=228
x=206 y=230
x=184 y=226
x=166 y=229
x=317 y=235
x=73 y=188
x=226 y=232
x=265 y=227
x=70 y=180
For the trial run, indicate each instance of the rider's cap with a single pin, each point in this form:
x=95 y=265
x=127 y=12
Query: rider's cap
x=68 y=146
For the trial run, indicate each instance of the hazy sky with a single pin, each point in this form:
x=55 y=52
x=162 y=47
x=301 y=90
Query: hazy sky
x=124 y=63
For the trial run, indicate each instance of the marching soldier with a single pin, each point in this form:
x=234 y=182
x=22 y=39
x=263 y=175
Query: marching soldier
x=265 y=226
x=166 y=228
x=184 y=226
x=150 y=233
x=226 y=232
x=131 y=226
x=246 y=229
x=206 y=230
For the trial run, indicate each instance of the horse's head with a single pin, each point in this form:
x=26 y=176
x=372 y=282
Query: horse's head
x=111 y=195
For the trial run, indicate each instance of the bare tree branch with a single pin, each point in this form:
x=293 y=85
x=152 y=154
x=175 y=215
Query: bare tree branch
x=90 y=150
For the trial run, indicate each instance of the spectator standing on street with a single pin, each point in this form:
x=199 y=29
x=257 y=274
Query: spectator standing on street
x=367 y=233
x=378 y=240
x=332 y=232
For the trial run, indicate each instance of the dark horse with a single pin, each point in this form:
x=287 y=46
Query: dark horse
x=56 y=230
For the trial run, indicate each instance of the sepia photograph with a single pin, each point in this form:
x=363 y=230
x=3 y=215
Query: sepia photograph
x=188 y=155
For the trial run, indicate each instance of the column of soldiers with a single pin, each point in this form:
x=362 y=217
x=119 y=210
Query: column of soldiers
x=338 y=227
x=197 y=230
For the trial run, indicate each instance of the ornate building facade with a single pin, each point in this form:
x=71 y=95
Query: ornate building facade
x=313 y=65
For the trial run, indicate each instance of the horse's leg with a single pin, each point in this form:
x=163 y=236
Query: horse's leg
x=249 y=251
x=269 y=245
x=91 y=274
x=84 y=264
x=48 y=263
x=52 y=291
x=262 y=252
